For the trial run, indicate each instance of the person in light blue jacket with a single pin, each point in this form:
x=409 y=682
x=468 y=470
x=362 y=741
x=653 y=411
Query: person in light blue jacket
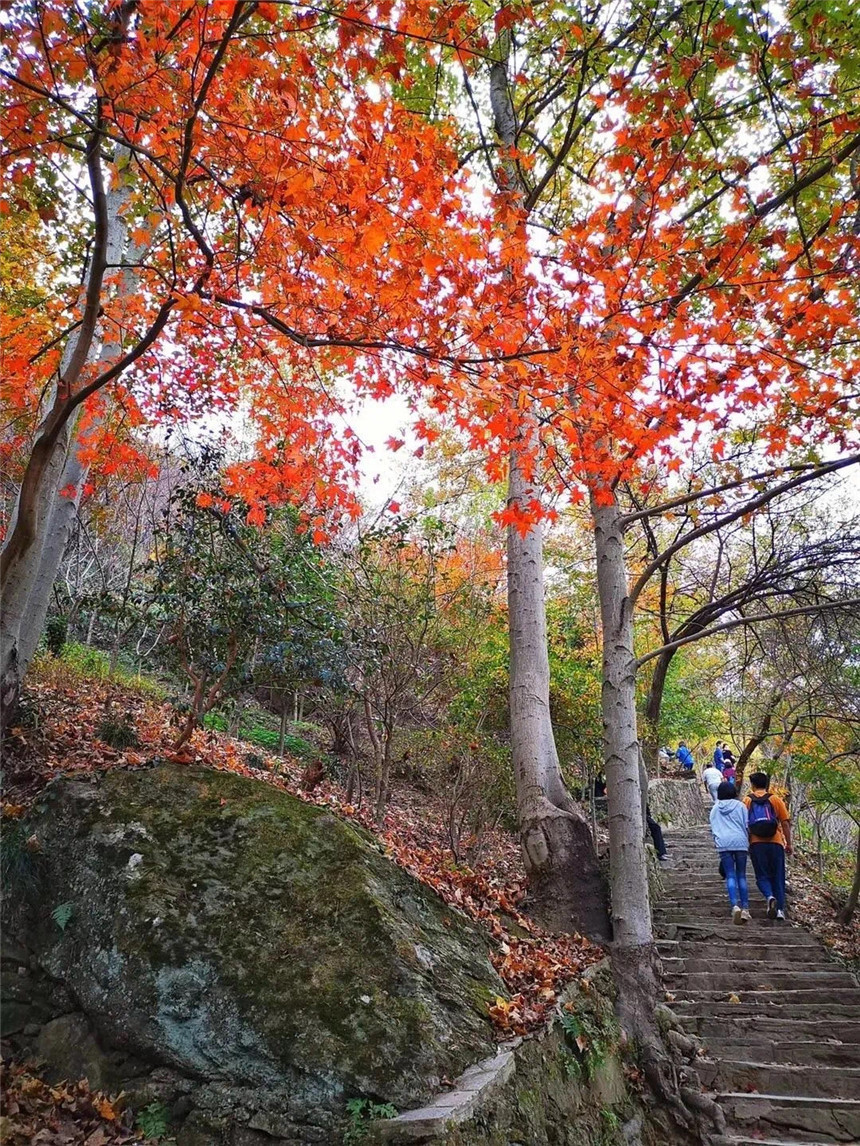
x=729 y=828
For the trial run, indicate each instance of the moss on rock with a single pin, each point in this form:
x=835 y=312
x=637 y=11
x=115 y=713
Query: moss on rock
x=224 y=928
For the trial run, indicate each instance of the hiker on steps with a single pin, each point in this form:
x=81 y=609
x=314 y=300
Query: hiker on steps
x=729 y=828
x=685 y=757
x=770 y=842
x=712 y=778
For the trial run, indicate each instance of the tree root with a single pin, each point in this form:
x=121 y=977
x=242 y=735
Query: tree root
x=667 y=1057
x=567 y=886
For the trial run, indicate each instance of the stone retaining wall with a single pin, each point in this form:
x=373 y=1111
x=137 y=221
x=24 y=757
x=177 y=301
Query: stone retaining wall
x=677 y=803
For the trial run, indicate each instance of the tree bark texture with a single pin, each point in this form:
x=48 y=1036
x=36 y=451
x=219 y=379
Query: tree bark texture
x=653 y=707
x=566 y=882
x=633 y=953
x=631 y=915
x=851 y=906
x=34 y=551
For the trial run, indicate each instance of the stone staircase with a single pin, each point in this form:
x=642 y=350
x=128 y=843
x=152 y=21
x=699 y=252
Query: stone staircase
x=780 y=1019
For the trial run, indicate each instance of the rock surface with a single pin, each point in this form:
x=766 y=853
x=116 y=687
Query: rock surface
x=676 y=803
x=248 y=959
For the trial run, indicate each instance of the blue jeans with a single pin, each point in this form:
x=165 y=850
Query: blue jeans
x=768 y=862
x=735 y=867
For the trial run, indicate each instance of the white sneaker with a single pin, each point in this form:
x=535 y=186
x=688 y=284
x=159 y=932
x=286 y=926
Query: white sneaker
x=771 y=907
x=745 y=916
x=737 y=914
x=781 y=915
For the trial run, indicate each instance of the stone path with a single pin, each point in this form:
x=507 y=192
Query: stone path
x=779 y=1017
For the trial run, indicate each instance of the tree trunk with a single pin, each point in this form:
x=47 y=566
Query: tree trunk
x=566 y=883
x=282 y=727
x=653 y=706
x=33 y=552
x=630 y=904
x=854 y=894
x=750 y=747
x=633 y=950
x=383 y=776
x=634 y=958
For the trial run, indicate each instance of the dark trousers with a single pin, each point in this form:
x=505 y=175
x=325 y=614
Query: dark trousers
x=768 y=862
x=656 y=833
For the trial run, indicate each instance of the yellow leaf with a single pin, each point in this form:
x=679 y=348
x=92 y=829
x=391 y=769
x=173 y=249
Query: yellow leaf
x=105 y=1109
x=734 y=999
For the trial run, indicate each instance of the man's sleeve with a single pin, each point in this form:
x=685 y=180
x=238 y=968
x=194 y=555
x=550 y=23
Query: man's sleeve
x=781 y=811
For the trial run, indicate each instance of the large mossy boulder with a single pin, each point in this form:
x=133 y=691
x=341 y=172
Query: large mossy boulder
x=255 y=948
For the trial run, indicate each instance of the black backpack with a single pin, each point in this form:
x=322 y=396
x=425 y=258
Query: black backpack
x=762 y=819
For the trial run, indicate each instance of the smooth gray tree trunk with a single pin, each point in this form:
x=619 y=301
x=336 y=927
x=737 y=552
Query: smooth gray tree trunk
x=566 y=882
x=634 y=959
x=27 y=590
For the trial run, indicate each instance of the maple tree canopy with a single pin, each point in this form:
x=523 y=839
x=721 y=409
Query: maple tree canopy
x=296 y=214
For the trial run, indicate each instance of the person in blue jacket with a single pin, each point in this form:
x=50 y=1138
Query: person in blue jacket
x=718 y=755
x=685 y=756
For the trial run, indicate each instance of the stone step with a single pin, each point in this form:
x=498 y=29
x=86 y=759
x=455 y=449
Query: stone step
x=707 y=904
x=742 y=978
x=471 y=1090
x=709 y=897
x=821 y=996
x=793 y=1017
x=746 y=947
x=824 y=1119
x=722 y=1026
x=704 y=912
x=811 y=1081
x=718 y=898
x=764 y=931
x=740 y=964
x=743 y=1140
x=814 y=1052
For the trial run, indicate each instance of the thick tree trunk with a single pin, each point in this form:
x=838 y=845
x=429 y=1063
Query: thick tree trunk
x=634 y=958
x=631 y=915
x=27 y=588
x=566 y=882
x=851 y=906
x=33 y=553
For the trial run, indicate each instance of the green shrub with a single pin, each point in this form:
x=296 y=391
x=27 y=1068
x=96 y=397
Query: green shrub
x=118 y=733
x=153 y=1120
x=20 y=871
x=363 y=1111
x=62 y=915
x=56 y=633
x=254 y=731
x=83 y=662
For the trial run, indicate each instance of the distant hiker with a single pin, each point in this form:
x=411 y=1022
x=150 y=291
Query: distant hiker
x=729 y=828
x=665 y=754
x=712 y=778
x=728 y=757
x=718 y=755
x=685 y=756
x=728 y=767
x=599 y=785
x=770 y=842
x=656 y=835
